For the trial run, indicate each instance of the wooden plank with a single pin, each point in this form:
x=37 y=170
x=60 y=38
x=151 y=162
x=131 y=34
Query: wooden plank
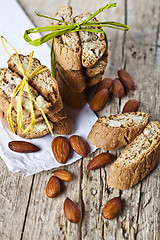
x=142 y=201
x=45 y=217
x=48 y=8
x=14 y=197
x=143 y=18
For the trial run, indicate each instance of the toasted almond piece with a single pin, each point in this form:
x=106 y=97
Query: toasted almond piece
x=117 y=88
x=126 y=79
x=131 y=106
x=78 y=145
x=99 y=161
x=106 y=83
x=23 y=147
x=112 y=208
x=99 y=100
x=53 y=187
x=61 y=149
x=71 y=211
x=64 y=175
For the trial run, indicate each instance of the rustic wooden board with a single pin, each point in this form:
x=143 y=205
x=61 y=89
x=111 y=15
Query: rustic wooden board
x=26 y=213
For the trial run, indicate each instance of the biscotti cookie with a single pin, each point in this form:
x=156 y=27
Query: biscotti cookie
x=4 y=105
x=3 y=118
x=137 y=160
x=74 y=79
x=93 y=44
x=40 y=129
x=98 y=68
x=73 y=99
x=117 y=130
x=8 y=82
x=44 y=83
x=67 y=47
x=57 y=106
x=92 y=81
x=67 y=52
x=63 y=127
x=55 y=117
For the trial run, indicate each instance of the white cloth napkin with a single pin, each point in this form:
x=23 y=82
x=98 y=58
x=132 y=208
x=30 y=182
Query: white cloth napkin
x=13 y=24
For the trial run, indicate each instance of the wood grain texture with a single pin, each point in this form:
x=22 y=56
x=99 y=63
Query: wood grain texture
x=26 y=213
x=14 y=196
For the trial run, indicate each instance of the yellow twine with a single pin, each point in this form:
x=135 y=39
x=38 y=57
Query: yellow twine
x=19 y=89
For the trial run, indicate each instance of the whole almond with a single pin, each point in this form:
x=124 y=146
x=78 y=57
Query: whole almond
x=78 y=145
x=99 y=100
x=126 y=79
x=53 y=187
x=23 y=147
x=131 y=106
x=99 y=161
x=63 y=175
x=112 y=208
x=105 y=83
x=61 y=149
x=117 y=88
x=71 y=211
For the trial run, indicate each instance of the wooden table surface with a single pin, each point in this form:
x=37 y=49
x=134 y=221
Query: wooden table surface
x=25 y=211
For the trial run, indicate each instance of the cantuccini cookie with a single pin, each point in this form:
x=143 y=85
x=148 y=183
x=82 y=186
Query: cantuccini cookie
x=67 y=50
x=117 y=130
x=93 y=44
x=63 y=127
x=8 y=82
x=137 y=160
x=44 y=83
x=72 y=98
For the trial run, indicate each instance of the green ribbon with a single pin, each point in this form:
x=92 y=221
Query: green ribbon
x=58 y=30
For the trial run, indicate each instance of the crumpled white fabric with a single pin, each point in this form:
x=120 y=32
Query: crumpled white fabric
x=13 y=24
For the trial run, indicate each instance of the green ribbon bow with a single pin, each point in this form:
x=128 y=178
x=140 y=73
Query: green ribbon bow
x=58 y=30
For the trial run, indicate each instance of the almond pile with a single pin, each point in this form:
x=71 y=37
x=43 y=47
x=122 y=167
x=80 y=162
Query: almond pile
x=61 y=150
x=61 y=147
x=71 y=211
x=118 y=87
x=53 y=188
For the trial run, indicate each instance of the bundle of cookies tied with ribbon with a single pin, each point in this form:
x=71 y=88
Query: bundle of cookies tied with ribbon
x=79 y=51
x=31 y=104
x=31 y=96
x=80 y=59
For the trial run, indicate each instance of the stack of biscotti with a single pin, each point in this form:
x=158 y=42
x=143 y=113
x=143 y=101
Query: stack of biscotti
x=69 y=74
x=46 y=86
x=117 y=130
x=81 y=59
x=137 y=160
x=8 y=82
x=44 y=90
